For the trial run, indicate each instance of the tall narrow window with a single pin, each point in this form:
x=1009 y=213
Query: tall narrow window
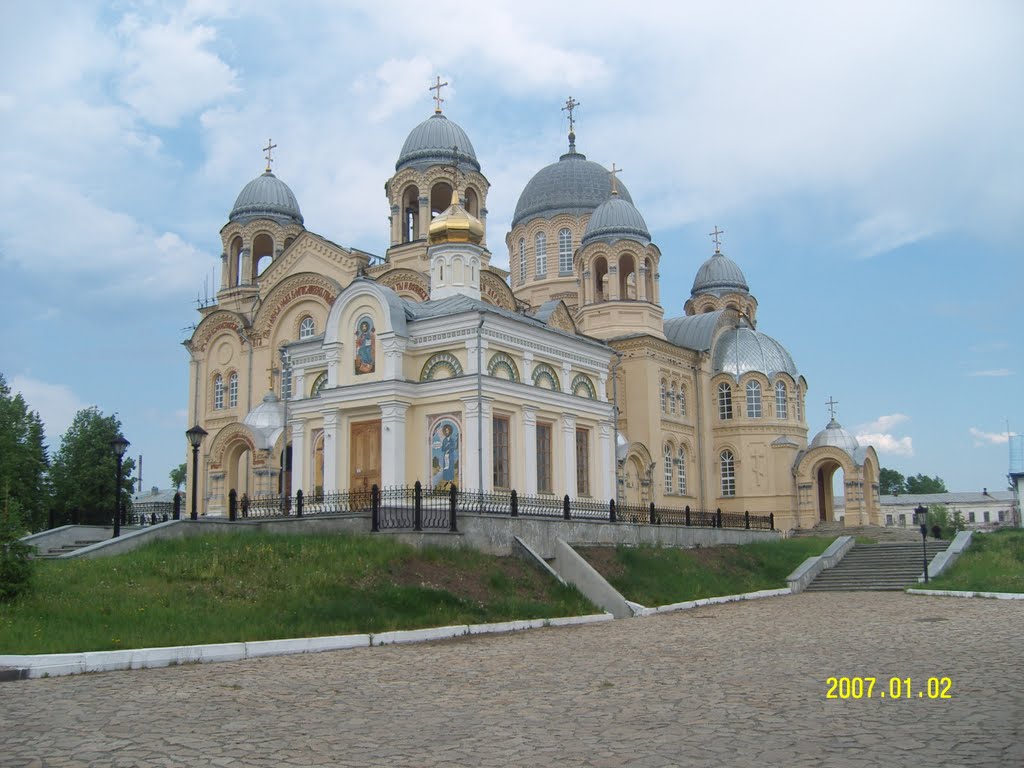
x=540 y=245
x=664 y=395
x=286 y=383
x=728 y=473
x=218 y=393
x=753 y=400
x=681 y=401
x=544 y=458
x=780 y=400
x=799 y=405
x=668 y=469
x=522 y=260
x=233 y=391
x=724 y=401
x=564 y=251
x=681 y=472
x=672 y=400
x=582 y=462
x=502 y=475
x=307 y=328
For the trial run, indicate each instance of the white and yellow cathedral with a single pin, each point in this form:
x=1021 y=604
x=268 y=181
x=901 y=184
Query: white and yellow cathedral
x=324 y=368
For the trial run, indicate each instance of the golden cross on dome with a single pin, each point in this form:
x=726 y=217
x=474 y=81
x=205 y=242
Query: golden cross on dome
x=271 y=374
x=270 y=146
x=716 y=236
x=832 y=406
x=615 y=179
x=570 y=105
x=437 y=97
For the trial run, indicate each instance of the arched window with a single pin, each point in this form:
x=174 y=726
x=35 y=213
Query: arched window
x=681 y=472
x=672 y=399
x=218 y=393
x=540 y=246
x=799 y=405
x=780 y=400
x=681 y=400
x=318 y=384
x=668 y=468
x=522 y=259
x=564 y=251
x=664 y=388
x=728 y=463
x=307 y=328
x=724 y=401
x=753 y=400
x=233 y=391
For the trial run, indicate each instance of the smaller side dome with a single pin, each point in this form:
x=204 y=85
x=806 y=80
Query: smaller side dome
x=719 y=275
x=436 y=141
x=266 y=421
x=616 y=219
x=741 y=350
x=267 y=196
x=835 y=436
x=455 y=225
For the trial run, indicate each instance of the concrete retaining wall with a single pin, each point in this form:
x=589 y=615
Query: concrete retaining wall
x=944 y=560
x=571 y=566
x=812 y=566
x=55 y=538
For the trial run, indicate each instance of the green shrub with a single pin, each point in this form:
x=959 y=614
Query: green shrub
x=15 y=565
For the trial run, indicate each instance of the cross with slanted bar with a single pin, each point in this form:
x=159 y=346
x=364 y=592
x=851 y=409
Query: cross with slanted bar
x=716 y=236
x=831 y=406
x=437 y=97
x=270 y=146
x=570 y=105
x=615 y=179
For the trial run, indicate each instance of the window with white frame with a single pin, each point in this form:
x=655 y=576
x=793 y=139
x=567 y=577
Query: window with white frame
x=753 y=400
x=564 y=251
x=522 y=259
x=781 y=410
x=544 y=458
x=724 y=401
x=218 y=393
x=681 y=400
x=799 y=405
x=681 y=472
x=672 y=399
x=582 y=462
x=664 y=396
x=540 y=246
x=233 y=391
x=728 y=466
x=307 y=328
x=668 y=468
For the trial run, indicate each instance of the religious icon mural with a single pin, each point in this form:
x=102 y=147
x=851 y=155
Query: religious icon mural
x=444 y=453
x=365 y=346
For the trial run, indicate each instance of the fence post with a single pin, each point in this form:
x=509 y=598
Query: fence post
x=718 y=517
x=687 y=511
x=417 y=506
x=232 y=505
x=298 y=502
x=514 y=504
x=650 y=514
x=374 y=509
x=611 y=511
x=746 y=519
x=565 y=507
x=453 y=501
x=177 y=505
x=771 y=521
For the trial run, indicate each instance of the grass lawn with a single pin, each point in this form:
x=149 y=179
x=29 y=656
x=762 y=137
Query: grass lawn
x=260 y=587
x=654 y=576
x=993 y=563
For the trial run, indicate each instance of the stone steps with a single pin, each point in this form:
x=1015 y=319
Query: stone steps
x=882 y=567
x=58 y=551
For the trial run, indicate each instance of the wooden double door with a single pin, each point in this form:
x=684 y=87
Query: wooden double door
x=364 y=455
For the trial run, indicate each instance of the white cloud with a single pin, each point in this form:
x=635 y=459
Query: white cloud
x=57 y=404
x=884 y=423
x=995 y=372
x=990 y=438
x=879 y=434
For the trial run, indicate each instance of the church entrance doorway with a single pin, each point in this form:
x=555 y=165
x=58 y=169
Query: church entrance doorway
x=364 y=455
x=829 y=474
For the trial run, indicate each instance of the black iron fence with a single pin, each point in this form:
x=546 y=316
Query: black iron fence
x=418 y=507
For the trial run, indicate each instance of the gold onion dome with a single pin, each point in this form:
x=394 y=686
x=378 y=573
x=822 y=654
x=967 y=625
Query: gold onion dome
x=456 y=225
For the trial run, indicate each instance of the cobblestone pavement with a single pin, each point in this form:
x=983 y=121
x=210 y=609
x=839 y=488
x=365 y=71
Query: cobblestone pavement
x=741 y=684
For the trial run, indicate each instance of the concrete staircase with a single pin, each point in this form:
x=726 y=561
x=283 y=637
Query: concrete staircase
x=877 y=567
x=58 y=551
x=878 y=533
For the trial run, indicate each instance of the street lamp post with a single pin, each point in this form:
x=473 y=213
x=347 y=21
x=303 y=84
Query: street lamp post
x=922 y=517
x=195 y=438
x=119 y=445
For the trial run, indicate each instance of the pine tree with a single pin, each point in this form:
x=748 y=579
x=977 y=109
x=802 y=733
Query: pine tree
x=24 y=490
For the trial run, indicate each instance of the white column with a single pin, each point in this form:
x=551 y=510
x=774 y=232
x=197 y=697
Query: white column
x=527 y=367
x=333 y=355
x=567 y=377
x=569 y=453
x=606 y=467
x=530 y=450
x=487 y=448
x=298 y=435
x=298 y=385
x=394 y=351
x=471 y=354
x=392 y=442
x=471 y=457
x=330 y=451
x=602 y=386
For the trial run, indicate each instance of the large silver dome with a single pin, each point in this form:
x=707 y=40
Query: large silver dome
x=741 y=350
x=616 y=219
x=573 y=185
x=266 y=196
x=719 y=275
x=834 y=435
x=432 y=142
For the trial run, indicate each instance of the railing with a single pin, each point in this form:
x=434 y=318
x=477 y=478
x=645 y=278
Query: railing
x=418 y=507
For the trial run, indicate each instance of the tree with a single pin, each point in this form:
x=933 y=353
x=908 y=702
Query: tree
x=178 y=476
x=24 y=492
x=923 y=484
x=84 y=468
x=891 y=482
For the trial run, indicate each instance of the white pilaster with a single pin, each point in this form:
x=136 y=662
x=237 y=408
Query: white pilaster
x=392 y=442
x=298 y=385
x=602 y=387
x=298 y=435
x=606 y=469
x=569 y=453
x=567 y=378
x=330 y=451
x=394 y=352
x=530 y=450
x=333 y=354
x=527 y=367
x=471 y=428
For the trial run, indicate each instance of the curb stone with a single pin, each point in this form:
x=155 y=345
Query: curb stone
x=954 y=593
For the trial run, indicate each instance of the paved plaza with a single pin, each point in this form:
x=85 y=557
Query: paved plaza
x=741 y=684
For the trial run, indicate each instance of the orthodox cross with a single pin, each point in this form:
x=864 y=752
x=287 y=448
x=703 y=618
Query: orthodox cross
x=270 y=146
x=570 y=105
x=716 y=236
x=437 y=97
x=832 y=406
x=615 y=186
x=271 y=373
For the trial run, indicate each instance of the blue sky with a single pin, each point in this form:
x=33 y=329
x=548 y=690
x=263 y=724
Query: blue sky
x=864 y=159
